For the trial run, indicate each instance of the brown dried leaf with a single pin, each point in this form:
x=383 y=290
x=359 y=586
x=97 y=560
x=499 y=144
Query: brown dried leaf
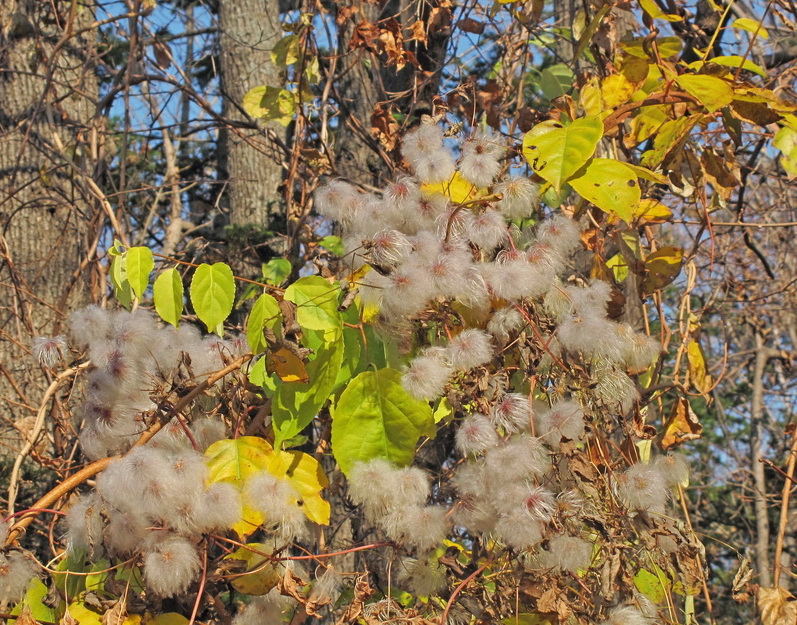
x=469 y=25
x=776 y=606
x=741 y=580
x=384 y=127
x=721 y=171
x=682 y=425
x=419 y=31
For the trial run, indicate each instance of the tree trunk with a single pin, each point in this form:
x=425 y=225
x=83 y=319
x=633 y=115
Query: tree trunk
x=48 y=144
x=250 y=162
x=762 y=356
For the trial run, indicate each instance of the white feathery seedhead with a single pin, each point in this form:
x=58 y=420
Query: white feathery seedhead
x=388 y=248
x=563 y=420
x=674 y=469
x=487 y=230
x=643 y=487
x=371 y=485
x=170 y=566
x=520 y=197
x=49 y=350
x=517 y=531
x=511 y=412
x=269 y=608
x=627 y=615
x=16 y=571
x=561 y=233
x=566 y=553
x=421 y=527
x=476 y=435
x=90 y=325
x=337 y=200
x=427 y=376
x=522 y=459
x=84 y=525
x=469 y=349
x=504 y=322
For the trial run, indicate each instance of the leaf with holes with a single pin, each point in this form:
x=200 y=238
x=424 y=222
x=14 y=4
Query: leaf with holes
x=557 y=152
x=610 y=185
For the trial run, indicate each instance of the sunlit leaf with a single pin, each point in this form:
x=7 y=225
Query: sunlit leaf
x=557 y=152
x=270 y=103
x=655 y=584
x=121 y=285
x=681 y=426
x=609 y=184
x=286 y=51
x=306 y=475
x=651 y=8
x=317 y=302
x=458 y=190
x=213 y=293
x=651 y=211
x=167 y=293
x=786 y=141
x=698 y=371
x=710 y=91
x=265 y=313
x=751 y=26
x=140 y=264
x=376 y=418
x=737 y=62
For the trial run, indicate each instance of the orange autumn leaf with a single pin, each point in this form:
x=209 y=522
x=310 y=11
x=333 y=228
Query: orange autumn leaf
x=287 y=365
x=682 y=425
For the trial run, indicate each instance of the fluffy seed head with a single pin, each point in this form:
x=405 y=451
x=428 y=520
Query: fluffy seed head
x=337 y=200
x=170 y=566
x=470 y=348
x=643 y=487
x=487 y=230
x=388 y=248
x=427 y=376
x=563 y=420
x=520 y=197
x=16 y=571
x=517 y=531
x=522 y=459
x=423 y=577
x=627 y=615
x=566 y=553
x=503 y=323
x=674 y=469
x=49 y=350
x=511 y=412
x=476 y=435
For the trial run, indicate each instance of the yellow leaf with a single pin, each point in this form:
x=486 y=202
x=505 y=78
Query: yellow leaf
x=651 y=8
x=751 y=26
x=710 y=91
x=235 y=461
x=619 y=267
x=682 y=425
x=287 y=365
x=651 y=211
x=610 y=185
x=306 y=476
x=698 y=372
x=458 y=190
x=590 y=97
x=261 y=575
x=776 y=606
x=662 y=267
x=270 y=103
x=616 y=90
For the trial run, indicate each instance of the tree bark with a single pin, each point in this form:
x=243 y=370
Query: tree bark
x=762 y=356
x=250 y=162
x=48 y=144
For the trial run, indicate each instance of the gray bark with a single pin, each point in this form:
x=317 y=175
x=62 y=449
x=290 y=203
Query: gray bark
x=250 y=161
x=48 y=144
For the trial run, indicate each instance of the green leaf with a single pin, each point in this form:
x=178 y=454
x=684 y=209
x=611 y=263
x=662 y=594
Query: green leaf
x=295 y=404
x=667 y=47
x=751 y=26
x=121 y=285
x=711 y=92
x=213 y=293
x=286 y=51
x=556 y=153
x=610 y=185
x=351 y=363
x=270 y=103
x=265 y=313
x=34 y=602
x=316 y=304
x=276 y=271
x=333 y=244
x=654 y=585
x=168 y=295
x=139 y=265
x=556 y=80
x=376 y=418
